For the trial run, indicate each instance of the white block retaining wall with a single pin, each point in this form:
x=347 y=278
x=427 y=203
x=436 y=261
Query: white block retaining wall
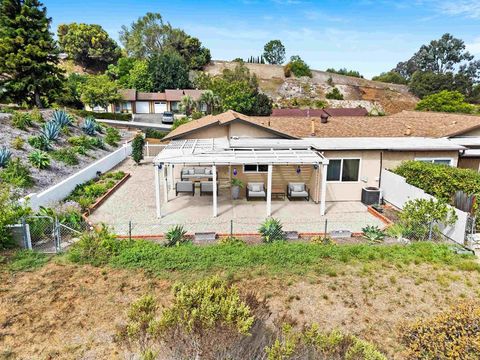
x=396 y=191
x=61 y=190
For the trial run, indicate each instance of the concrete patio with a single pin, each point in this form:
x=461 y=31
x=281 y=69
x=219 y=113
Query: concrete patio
x=134 y=202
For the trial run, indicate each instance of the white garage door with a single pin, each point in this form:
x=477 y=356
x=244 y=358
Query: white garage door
x=142 y=107
x=160 y=107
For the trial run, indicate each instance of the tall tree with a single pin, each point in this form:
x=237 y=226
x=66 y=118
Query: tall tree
x=190 y=48
x=28 y=55
x=187 y=104
x=274 y=52
x=88 y=45
x=168 y=70
x=99 y=90
x=212 y=101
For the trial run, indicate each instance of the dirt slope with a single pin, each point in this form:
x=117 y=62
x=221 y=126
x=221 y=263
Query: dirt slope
x=392 y=98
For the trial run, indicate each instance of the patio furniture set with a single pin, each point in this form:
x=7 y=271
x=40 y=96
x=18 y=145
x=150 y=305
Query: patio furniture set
x=293 y=191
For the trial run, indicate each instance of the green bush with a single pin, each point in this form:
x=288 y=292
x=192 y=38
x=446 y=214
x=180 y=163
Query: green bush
x=11 y=212
x=230 y=241
x=155 y=134
x=446 y=101
x=17 y=174
x=112 y=136
x=373 y=234
x=298 y=67
x=27 y=260
x=39 y=159
x=107 y=116
x=85 y=141
x=40 y=142
x=271 y=230
x=137 y=148
x=179 y=122
x=36 y=116
x=18 y=143
x=334 y=94
x=21 y=120
x=176 y=236
x=67 y=155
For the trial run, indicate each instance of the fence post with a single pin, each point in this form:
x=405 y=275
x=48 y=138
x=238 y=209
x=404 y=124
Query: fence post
x=148 y=149
x=231 y=228
x=130 y=230
x=326 y=228
x=58 y=236
x=27 y=240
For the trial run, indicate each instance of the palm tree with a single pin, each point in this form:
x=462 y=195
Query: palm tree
x=187 y=105
x=212 y=101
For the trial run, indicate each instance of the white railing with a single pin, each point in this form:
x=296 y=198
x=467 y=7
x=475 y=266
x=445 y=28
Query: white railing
x=396 y=191
x=152 y=150
x=61 y=190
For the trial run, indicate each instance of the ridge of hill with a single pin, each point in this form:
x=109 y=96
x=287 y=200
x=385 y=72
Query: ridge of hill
x=372 y=95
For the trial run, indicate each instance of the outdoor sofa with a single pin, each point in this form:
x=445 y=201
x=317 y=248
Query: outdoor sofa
x=256 y=191
x=196 y=173
x=298 y=190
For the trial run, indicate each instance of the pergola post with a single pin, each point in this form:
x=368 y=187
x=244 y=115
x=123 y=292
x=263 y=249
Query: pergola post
x=172 y=177
x=214 y=178
x=164 y=181
x=269 y=190
x=157 y=191
x=323 y=189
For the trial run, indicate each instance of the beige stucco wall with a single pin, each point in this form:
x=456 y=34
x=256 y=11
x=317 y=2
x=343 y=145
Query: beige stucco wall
x=392 y=159
x=244 y=130
x=475 y=133
x=214 y=131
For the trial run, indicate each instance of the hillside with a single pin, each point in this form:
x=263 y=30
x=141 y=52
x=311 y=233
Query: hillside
x=392 y=98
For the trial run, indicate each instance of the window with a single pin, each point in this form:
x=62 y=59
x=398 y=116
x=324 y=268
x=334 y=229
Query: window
x=254 y=168
x=345 y=170
x=441 y=161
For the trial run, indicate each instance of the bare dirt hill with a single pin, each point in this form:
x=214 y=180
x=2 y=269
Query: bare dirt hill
x=372 y=95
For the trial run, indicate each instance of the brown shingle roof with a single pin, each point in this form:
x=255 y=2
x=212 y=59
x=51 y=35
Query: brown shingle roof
x=128 y=94
x=176 y=95
x=405 y=123
x=151 y=96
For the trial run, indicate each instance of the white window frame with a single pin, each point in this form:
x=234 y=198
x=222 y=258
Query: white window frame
x=256 y=171
x=432 y=159
x=341 y=171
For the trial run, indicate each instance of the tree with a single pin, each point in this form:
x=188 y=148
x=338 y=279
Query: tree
x=447 y=101
x=334 y=94
x=274 y=52
x=120 y=72
x=188 y=47
x=140 y=77
x=168 y=71
x=137 y=148
x=28 y=55
x=390 y=77
x=70 y=96
x=99 y=90
x=212 y=101
x=424 y=83
x=187 y=104
x=88 y=45
x=262 y=105
x=146 y=36
x=298 y=67
x=10 y=214
x=344 y=71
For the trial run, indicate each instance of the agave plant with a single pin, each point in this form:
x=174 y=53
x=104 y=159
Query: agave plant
x=89 y=126
x=61 y=118
x=40 y=142
x=39 y=159
x=271 y=230
x=5 y=155
x=51 y=130
x=176 y=236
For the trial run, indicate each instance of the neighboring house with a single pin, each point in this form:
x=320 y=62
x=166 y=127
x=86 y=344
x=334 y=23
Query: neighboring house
x=335 y=156
x=136 y=102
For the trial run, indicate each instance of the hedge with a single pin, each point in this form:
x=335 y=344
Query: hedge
x=106 y=116
x=441 y=181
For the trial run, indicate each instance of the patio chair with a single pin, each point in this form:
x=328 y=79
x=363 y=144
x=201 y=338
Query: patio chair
x=185 y=187
x=256 y=191
x=206 y=187
x=298 y=190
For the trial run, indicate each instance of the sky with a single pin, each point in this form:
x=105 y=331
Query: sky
x=364 y=35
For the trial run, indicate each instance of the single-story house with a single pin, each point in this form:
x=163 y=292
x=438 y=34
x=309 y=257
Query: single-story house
x=137 y=102
x=335 y=157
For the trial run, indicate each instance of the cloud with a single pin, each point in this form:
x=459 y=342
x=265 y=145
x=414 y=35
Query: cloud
x=467 y=8
x=474 y=47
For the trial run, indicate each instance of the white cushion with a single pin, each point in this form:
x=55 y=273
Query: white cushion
x=208 y=171
x=257 y=194
x=297 y=187
x=299 y=194
x=191 y=171
x=256 y=188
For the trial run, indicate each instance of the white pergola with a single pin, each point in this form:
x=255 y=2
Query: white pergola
x=215 y=152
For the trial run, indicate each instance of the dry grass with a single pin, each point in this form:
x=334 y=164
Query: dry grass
x=65 y=311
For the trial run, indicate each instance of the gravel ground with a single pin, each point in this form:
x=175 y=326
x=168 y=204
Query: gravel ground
x=57 y=170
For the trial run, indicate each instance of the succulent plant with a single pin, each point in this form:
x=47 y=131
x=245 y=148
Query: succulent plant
x=61 y=118
x=51 y=130
x=39 y=159
x=40 y=142
x=89 y=126
x=5 y=155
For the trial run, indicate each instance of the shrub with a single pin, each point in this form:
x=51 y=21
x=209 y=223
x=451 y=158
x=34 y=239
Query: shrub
x=11 y=212
x=21 y=120
x=17 y=174
x=422 y=218
x=271 y=230
x=89 y=126
x=36 y=116
x=18 y=143
x=311 y=343
x=231 y=241
x=84 y=141
x=39 y=159
x=40 y=142
x=51 y=131
x=5 y=156
x=446 y=101
x=137 y=148
x=61 y=118
x=322 y=240
x=95 y=247
x=27 y=260
x=68 y=156
x=344 y=71
x=334 y=94
x=451 y=334
x=179 y=122
x=108 y=116
x=298 y=67
x=154 y=134
x=373 y=233
x=112 y=137
x=175 y=236
x=237 y=182
x=68 y=213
